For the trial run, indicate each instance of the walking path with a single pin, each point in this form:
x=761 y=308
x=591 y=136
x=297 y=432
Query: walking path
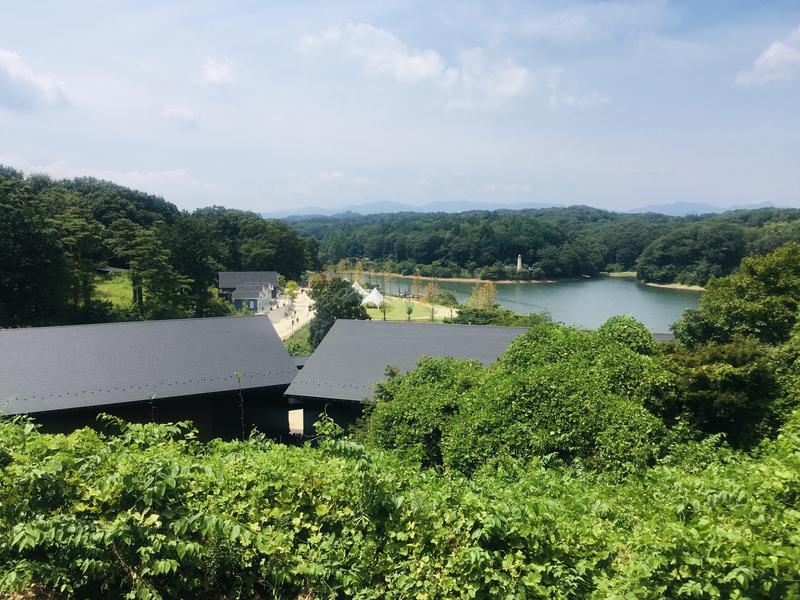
x=286 y=324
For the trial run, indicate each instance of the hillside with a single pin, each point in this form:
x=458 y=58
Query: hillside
x=554 y=243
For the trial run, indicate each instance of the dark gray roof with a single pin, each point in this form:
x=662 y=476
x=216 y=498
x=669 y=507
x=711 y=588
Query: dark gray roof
x=55 y=368
x=248 y=291
x=233 y=279
x=354 y=355
x=300 y=361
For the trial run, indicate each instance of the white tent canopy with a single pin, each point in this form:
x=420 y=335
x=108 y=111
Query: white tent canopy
x=361 y=291
x=373 y=298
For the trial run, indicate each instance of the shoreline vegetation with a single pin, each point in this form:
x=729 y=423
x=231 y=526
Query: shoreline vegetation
x=614 y=275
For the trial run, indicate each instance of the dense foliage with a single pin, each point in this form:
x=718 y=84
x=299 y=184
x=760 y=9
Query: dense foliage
x=554 y=243
x=760 y=301
x=55 y=235
x=558 y=392
x=334 y=298
x=152 y=513
x=496 y=316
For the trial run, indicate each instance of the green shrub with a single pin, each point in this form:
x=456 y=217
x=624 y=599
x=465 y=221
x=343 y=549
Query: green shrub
x=760 y=300
x=559 y=392
x=630 y=333
x=730 y=388
x=153 y=513
x=496 y=316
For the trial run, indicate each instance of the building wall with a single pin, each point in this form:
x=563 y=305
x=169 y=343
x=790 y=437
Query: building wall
x=245 y=304
x=213 y=415
x=344 y=414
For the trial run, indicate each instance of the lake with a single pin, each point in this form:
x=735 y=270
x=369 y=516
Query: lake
x=585 y=303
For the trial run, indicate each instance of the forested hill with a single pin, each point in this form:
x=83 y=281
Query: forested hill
x=554 y=242
x=54 y=235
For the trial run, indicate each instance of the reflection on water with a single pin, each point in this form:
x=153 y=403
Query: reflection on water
x=585 y=303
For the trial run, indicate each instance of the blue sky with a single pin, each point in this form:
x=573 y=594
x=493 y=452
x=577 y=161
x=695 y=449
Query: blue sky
x=269 y=106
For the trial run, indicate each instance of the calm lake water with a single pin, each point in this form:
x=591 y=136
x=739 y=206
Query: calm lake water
x=585 y=303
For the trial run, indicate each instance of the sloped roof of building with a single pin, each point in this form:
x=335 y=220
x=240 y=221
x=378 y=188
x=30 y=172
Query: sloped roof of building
x=57 y=368
x=233 y=279
x=248 y=291
x=354 y=355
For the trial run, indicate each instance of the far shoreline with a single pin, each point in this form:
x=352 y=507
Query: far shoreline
x=458 y=279
x=619 y=275
x=678 y=286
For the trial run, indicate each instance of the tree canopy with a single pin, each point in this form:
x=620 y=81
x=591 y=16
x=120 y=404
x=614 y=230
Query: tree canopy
x=57 y=234
x=554 y=243
x=334 y=298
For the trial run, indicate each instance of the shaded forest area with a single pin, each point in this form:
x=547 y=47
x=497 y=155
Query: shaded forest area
x=55 y=235
x=555 y=243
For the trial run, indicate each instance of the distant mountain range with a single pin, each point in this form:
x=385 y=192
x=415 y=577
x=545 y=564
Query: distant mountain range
x=373 y=208
x=683 y=209
x=675 y=209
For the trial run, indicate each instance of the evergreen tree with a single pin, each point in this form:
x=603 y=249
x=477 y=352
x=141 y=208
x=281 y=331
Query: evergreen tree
x=333 y=298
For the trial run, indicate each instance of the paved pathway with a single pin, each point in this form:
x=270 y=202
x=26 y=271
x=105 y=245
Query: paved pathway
x=302 y=314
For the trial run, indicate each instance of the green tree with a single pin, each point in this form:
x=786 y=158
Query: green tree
x=34 y=274
x=760 y=300
x=333 y=298
x=158 y=290
x=197 y=250
x=431 y=294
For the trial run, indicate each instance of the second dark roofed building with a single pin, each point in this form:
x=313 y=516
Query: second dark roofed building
x=354 y=355
x=255 y=297
x=230 y=280
x=174 y=370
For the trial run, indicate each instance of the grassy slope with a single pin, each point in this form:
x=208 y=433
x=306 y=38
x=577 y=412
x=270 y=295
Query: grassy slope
x=396 y=311
x=115 y=288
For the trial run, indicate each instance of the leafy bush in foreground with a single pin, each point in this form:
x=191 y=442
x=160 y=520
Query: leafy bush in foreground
x=153 y=513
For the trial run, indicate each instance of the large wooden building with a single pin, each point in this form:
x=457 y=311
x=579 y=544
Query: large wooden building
x=353 y=357
x=225 y=374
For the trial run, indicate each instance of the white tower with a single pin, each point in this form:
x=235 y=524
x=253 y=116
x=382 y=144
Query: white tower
x=519 y=263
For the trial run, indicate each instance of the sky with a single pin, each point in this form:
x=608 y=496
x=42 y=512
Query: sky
x=270 y=106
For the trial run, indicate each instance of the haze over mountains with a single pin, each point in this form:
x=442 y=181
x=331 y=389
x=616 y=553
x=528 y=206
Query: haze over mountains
x=674 y=209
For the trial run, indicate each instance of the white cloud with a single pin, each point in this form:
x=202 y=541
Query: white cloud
x=479 y=81
x=180 y=114
x=21 y=88
x=779 y=62
x=551 y=79
x=484 y=83
x=585 y=23
x=382 y=53
x=216 y=72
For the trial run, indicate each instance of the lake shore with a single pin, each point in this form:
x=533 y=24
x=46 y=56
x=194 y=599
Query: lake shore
x=678 y=286
x=457 y=279
x=613 y=275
